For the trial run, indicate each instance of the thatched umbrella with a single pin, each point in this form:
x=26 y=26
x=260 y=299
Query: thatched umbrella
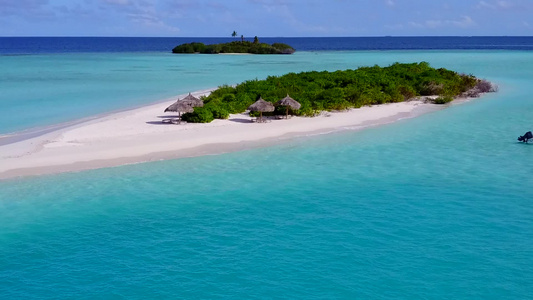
x=179 y=107
x=289 y=102
x=193 y=101
x=261 y=106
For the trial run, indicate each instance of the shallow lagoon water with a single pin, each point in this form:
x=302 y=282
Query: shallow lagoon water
x=435 y=207
x=46 y=89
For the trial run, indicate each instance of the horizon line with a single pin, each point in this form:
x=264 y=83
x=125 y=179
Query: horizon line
x=376 y=36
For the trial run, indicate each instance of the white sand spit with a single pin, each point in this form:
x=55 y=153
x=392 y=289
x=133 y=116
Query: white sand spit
x=139 y=135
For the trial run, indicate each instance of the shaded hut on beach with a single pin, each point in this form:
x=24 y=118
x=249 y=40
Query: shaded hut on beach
x=179 y=107
x=261 y=106
x=288 y=102
x=185 y=105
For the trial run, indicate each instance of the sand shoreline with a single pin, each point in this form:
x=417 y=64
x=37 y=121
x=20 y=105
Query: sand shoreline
x=138 y=135
x=18 y=136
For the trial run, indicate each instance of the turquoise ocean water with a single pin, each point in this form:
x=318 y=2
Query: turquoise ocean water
x=436 y=207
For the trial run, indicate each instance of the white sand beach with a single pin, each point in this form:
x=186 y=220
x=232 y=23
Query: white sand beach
x=138 y=135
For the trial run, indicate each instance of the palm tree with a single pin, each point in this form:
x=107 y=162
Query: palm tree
x=234 y=34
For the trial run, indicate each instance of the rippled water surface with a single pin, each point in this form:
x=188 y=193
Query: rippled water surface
x=436 y=207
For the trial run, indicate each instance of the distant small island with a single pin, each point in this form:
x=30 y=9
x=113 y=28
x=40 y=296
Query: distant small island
x=254 y=47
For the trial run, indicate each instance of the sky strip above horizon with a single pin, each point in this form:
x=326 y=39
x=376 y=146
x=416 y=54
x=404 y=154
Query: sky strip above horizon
x=272 y=18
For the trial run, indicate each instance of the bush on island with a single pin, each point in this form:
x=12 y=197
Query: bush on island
x=200 y=115
x=219 y=112
x=442 y=100
x=340 y=90
x=235 y=47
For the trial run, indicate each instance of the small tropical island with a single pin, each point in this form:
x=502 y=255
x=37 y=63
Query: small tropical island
x=327 y=97
x=240 y=47
x=342 y=90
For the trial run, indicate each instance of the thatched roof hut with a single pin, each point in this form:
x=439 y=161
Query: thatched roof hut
x=193 y=101
x=261 y=106
x=289 y=102
x=180 y=107
x=185 y=105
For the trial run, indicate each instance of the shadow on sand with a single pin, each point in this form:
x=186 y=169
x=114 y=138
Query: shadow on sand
x=239 y=120
x=169 y=117
x=158 y=123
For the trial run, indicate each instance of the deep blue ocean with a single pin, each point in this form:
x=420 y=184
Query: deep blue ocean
x=435 y=207
x=47 y=45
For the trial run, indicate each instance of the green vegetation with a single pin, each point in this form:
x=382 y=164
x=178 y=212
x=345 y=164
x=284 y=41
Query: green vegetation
x=235 y=47
x=442 y=100
x=339 y=90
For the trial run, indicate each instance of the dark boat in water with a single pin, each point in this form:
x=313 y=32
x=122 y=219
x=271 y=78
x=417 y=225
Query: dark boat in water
x=524 y=138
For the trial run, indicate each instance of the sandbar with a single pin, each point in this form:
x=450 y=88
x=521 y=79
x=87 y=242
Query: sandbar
x=139 y=135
